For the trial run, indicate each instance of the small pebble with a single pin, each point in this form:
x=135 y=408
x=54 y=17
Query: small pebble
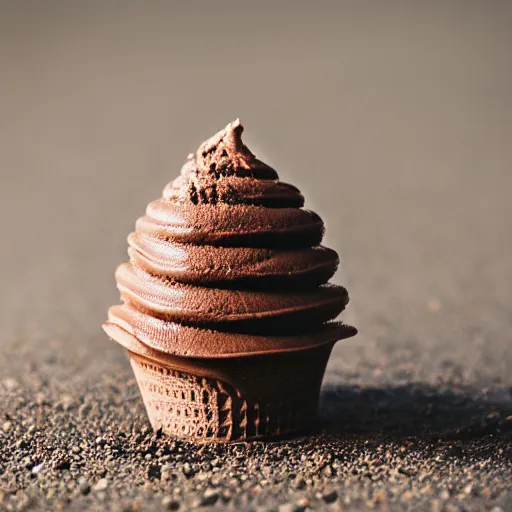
x=187 y=469
x=444 y=495
x=169 y=503
x=101 y=485
x=210 y=497
x=300 y=483
x=10 y=384
x=37 y=469
x=328 y=471
x=330 y=497
x=84 y=487
x=302 y=504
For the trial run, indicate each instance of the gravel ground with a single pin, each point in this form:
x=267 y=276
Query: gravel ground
x=408 y=447
x=404 y=114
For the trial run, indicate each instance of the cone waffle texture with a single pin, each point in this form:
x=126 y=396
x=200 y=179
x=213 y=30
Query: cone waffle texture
x=188 y=405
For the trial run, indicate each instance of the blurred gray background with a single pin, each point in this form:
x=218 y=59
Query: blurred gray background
x=394 y=119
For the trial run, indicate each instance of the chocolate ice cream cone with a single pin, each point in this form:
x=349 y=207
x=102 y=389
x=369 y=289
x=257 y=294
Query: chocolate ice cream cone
x=243 y=399
x=227 y=316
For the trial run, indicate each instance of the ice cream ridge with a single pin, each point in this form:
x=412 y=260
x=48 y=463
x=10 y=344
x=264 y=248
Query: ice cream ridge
x=227 y=314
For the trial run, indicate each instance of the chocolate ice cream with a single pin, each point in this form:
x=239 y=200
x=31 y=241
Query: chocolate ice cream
x=227 y=281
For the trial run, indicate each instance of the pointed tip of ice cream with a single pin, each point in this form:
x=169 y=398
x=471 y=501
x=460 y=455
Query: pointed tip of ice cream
x=225 y=151
x=222 y=155
x=235 y=124
x=233 y=133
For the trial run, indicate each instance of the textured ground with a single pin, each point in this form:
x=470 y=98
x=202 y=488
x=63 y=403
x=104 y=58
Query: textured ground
x=395 y=121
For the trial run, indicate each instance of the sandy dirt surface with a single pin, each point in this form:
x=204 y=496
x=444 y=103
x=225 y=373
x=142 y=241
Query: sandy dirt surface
x=396 y=123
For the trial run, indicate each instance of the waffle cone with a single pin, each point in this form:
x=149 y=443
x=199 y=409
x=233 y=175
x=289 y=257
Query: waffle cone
x=234 y=399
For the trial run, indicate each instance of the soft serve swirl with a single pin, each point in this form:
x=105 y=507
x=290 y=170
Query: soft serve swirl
x=228 y=252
